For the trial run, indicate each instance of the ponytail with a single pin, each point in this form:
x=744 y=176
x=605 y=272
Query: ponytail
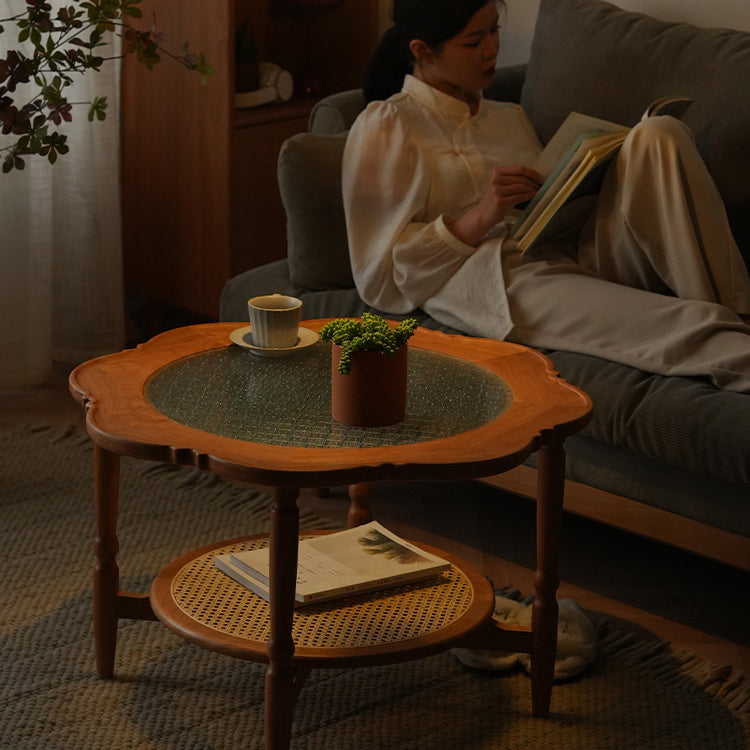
x=388 y=66
x=432 y=21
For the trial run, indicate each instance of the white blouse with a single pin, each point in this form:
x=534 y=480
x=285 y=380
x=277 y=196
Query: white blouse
x=410 y=163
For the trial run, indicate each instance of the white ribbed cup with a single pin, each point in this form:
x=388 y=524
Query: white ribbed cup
x=274 y=320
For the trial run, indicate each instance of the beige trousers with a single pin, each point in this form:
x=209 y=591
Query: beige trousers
x=655 y=278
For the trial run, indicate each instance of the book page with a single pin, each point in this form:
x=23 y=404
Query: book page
x=585 y=180
x=675 y=106
x=573 y=164
x=584 y=145
x=574 y=126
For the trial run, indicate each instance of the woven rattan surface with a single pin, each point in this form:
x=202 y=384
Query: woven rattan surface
x=210 y=601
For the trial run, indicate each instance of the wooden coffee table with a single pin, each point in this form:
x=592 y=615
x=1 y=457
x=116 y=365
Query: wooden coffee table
x=476 y=407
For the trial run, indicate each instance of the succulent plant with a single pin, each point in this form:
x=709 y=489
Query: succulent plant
x=370 y=333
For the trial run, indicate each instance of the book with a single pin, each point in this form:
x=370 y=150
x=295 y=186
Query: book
x=331 y=566
x=573 y=164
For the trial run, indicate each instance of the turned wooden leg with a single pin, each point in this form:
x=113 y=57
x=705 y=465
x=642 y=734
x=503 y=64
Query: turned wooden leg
x=106 y=545
x=280 y=677
x=550 y=492
x=360 y=511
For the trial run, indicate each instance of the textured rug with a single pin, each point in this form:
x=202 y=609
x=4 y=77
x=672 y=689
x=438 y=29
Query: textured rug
x=171 y=695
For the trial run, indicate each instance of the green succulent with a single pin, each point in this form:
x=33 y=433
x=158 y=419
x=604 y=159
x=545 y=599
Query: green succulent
x=370 y=333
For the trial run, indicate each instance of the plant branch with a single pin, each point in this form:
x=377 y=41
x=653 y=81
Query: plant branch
x=52 y=49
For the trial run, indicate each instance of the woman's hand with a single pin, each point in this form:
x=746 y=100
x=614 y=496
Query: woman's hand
x=509 y=186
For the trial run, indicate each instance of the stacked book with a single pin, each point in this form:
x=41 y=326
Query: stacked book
x=331 y=566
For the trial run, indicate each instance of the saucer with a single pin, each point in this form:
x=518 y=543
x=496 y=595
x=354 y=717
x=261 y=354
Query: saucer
x=241 y=337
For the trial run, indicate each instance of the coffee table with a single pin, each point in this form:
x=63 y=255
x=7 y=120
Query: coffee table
x=476 y=407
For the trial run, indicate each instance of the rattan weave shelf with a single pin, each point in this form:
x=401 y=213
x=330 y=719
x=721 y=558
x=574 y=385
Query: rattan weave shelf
x=220 y=610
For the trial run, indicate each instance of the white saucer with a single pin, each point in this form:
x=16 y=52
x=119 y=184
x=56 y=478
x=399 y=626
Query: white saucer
x=241 y=337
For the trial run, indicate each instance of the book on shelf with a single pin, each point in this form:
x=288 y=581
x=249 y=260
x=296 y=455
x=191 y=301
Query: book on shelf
x=573 y=165
x=331 y=566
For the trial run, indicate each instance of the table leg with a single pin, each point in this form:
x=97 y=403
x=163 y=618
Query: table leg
x=280 y=687
x=106 y=571
x=360 y=511
x=550 y=494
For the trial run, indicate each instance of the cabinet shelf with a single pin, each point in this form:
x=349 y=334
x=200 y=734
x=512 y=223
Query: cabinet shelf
x=252 y=116
x=200 y=197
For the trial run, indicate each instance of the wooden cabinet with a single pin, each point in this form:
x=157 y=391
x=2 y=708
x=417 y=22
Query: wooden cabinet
x=200 y=196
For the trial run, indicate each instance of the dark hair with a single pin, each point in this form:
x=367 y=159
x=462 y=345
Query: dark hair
x=432 y=21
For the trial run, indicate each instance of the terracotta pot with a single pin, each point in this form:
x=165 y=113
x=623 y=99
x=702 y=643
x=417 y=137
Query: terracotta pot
x=373 y=394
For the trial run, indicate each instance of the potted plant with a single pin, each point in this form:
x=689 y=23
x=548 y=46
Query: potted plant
x=368 y=369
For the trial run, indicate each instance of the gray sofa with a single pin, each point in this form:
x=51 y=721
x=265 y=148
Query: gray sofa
x=665 y=457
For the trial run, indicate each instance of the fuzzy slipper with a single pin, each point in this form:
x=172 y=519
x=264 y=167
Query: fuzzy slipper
x=576 y=640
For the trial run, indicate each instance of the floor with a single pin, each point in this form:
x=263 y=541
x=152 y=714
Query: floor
x=635 y=584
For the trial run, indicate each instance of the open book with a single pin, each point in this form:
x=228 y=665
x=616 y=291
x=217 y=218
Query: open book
x=335 y=565
x=573 y=164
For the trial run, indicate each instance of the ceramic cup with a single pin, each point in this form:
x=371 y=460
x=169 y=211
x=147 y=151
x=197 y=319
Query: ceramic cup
x=274 y=320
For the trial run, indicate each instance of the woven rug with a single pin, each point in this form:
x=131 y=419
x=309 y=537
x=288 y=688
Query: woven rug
x=171 y=695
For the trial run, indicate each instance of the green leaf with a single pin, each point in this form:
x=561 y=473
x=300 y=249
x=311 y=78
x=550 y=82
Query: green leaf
x=13 y=161
x=59 y=55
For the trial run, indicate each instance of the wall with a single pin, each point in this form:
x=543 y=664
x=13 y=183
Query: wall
x=518 y=28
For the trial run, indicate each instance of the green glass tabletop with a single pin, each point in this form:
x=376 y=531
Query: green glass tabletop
x=232 y=393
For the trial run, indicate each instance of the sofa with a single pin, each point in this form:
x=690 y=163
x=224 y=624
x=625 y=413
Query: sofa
x=668 y=458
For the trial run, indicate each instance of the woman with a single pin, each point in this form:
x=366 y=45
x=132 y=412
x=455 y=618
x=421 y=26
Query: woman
x=432 y=173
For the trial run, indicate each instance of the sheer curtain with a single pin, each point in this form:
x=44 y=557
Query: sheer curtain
x=61 y=297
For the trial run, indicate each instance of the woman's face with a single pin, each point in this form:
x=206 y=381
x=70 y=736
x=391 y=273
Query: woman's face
x=464 y=64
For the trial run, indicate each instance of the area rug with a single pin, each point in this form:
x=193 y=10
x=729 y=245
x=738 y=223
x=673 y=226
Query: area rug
x=171 y=695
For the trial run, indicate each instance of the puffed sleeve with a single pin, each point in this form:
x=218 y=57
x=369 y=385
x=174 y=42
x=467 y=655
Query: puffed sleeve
x=400 y=256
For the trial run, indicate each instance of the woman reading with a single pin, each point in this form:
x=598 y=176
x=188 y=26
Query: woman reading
x=432 y=176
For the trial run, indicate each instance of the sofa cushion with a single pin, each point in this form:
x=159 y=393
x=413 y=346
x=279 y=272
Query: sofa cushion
x=595 y=58
x=309 y=174
x=709 y=500
x=683 y=422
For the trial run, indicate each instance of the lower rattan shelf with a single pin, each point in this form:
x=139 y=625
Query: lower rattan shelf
x=205 y=606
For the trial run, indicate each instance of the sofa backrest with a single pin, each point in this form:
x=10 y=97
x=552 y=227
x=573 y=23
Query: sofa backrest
x=588 y=56
x=336 y=113
x=593 y=57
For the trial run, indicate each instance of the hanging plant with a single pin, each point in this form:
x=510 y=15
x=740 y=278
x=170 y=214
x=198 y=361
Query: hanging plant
x=53 y=48
x=371 y=333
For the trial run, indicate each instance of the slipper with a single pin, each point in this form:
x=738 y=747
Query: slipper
x=576 y=640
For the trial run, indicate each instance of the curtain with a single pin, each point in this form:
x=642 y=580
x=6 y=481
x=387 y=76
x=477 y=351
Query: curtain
x=61 y=295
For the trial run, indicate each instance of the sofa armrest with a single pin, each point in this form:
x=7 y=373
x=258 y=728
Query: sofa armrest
x=336 y=113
